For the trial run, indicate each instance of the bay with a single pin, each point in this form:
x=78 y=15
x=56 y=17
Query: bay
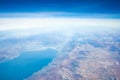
x=26 y=64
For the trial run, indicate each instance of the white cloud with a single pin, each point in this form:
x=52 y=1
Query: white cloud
x=54 y=23
x=30 y=26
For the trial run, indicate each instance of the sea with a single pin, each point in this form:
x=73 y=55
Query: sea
x=26 y=64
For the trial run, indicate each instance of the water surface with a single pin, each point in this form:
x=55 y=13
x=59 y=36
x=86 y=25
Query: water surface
x=26 y=64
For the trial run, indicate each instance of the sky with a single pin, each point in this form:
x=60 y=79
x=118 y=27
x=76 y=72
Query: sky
x=27 y=15
x=82 y=8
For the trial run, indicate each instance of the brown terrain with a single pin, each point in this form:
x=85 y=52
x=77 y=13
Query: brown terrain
x=84 y=62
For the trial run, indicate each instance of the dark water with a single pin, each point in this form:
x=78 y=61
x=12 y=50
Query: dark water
x=26 y=64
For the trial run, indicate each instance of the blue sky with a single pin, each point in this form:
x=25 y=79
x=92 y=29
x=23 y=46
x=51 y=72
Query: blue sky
x=78 y=7
x=98 y=6
x=61 y=15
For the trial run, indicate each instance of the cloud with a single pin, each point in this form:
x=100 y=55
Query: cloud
x=54 y=23
x=29 y=26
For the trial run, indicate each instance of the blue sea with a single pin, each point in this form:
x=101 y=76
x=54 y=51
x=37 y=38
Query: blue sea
x=26 y=64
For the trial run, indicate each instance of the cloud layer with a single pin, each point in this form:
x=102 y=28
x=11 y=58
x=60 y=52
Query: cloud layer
x=56 y=24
